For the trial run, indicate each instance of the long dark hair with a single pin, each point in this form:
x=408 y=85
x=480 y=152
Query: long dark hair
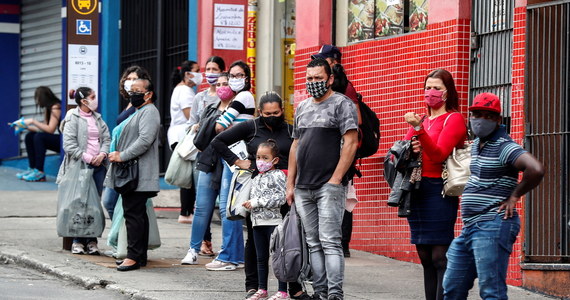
x=452 y=101
x=246 y=70
x=142 y=73
x=270 y=97
x=179 y=72
x=45 y=99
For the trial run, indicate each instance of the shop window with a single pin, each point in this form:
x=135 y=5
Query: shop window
x=370 y=19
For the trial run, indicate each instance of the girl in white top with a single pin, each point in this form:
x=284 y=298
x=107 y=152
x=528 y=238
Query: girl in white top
x=185 y=77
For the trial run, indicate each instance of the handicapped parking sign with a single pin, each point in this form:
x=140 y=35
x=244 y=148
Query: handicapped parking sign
x=83 y=27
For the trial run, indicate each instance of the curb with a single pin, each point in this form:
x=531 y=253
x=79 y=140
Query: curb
x=86 y=282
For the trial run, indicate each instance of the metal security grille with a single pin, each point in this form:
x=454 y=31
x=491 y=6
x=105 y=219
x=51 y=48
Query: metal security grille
x=40 y=60
x=491 y=51
x=154 y=35
x=548 y=131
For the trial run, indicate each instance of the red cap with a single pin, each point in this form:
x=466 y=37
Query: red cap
x=486 y=101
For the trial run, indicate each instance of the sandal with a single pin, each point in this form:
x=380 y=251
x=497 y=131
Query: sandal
x=206 y=249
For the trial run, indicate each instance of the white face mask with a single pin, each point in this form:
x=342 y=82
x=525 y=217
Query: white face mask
x=128 y=84
x=92 y=104
x=237 y=84
x=197 y=79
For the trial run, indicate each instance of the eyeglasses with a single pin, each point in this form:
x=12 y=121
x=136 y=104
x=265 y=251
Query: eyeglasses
x=136 y=93
x=240 y=75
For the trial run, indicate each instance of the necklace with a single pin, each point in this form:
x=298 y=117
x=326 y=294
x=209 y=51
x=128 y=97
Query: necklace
x=432 y=121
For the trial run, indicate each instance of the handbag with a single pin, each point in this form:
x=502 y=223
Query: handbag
x=79 y=211
x=179 y=171
x=186 y=148
x=456 y=171
x=126 y=176
x=240 y=188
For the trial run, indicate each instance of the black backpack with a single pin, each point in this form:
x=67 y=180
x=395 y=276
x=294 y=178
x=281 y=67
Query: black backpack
x=369 y=131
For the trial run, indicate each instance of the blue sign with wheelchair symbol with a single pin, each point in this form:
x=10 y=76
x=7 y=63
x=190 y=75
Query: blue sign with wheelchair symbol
x=83 y=27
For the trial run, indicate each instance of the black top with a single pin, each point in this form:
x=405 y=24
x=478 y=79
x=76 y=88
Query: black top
x=125 y=114
x=254 y=132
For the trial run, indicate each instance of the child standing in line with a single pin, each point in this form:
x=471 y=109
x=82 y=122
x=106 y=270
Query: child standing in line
x=266 y=197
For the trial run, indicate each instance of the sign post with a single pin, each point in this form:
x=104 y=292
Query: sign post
x=82 y=46
x=82 y=61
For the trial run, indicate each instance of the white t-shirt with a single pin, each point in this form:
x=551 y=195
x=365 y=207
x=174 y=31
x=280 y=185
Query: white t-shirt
x=182 y=97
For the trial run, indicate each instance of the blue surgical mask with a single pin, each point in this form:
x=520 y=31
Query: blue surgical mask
x=482 y=127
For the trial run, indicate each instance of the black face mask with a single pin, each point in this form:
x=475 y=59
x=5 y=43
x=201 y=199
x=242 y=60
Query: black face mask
x=273 y=121
x=137 y=99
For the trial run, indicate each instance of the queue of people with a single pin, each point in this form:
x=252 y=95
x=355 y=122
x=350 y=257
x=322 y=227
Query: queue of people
x=305 y=164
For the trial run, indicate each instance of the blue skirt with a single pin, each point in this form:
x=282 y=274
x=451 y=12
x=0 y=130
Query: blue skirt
x=433 y=216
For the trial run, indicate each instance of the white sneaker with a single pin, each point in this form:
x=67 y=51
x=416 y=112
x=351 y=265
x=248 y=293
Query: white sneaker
x=191 y=258
x=218 y=265
x=77 y=248
x=92 y=248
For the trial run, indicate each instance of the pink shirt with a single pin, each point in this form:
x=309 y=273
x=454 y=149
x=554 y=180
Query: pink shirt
x=93 y=146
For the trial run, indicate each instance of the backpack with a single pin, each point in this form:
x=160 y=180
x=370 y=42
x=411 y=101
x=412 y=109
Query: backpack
x=289 y=250
x=369 y=131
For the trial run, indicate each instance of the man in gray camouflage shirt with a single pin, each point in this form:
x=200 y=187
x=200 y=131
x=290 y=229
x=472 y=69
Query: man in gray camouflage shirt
x=325 y=141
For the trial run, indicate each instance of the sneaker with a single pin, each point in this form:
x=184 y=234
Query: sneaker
x=218 y=265
x=240 y=266
x=77 y=248
x=250 y=293
x=92 y=248
x=191 y=258
x=260 y=294
x=335 y=297
x=35 y=175
x=21 y=175
x=279 y=296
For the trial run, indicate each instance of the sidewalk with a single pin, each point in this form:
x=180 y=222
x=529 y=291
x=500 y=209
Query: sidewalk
x=28 y=237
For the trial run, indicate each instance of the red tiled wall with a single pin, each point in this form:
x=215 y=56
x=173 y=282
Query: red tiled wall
x=389 y=74
x=514 y=273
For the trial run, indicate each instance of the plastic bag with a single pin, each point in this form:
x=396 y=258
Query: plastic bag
x=186 y=148
x=179 y=171
x=117 y=237
x=79 y=210
x=239 y=193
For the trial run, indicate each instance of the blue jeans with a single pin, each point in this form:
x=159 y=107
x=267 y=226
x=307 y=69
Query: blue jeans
x=109 y=199
x=321 y=211
x=232 y=231
x=481 y=251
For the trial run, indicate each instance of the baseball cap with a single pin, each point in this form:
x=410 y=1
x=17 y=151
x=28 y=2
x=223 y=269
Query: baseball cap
x=328 y=51
x=486 y=101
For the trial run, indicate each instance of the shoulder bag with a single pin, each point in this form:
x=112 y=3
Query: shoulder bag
x=456 y=170
x=126 y=176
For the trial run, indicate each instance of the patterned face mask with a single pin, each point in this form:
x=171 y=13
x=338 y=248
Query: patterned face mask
x=264 y=166
x=317 y=89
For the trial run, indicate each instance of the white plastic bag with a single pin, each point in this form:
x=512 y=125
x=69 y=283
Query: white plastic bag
x=239 y=193
x=179 y=171
x=186 y=148
x=79 y=210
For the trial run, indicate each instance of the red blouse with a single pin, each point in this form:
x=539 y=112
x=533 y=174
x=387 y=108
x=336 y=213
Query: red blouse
x=438 y=141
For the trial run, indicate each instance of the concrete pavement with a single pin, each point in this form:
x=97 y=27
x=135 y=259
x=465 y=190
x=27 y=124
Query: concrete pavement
x=28 y=237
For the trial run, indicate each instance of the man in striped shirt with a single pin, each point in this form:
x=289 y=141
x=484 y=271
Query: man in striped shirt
x=490 y=221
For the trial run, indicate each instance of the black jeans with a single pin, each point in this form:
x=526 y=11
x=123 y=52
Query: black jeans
x=136 y=220
x=262 y=235
x=37 y=143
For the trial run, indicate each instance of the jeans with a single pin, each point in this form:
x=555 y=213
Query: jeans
x=481 y=251
x=262 y=236
x=232 y=231
x=321 y=211
x=37 y=143
x=109 y=199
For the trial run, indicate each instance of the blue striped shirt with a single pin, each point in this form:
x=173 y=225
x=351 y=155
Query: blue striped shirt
x=493 y=177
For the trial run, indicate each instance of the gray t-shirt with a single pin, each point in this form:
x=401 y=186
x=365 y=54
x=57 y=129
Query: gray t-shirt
x=319 y=128
x=201 y=100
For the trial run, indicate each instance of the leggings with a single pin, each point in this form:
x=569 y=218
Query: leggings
x=37 y=143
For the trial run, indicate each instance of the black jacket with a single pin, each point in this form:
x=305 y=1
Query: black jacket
x=254 y=132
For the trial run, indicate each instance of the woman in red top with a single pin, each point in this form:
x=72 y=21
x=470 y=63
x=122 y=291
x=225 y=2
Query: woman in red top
x=433 y=216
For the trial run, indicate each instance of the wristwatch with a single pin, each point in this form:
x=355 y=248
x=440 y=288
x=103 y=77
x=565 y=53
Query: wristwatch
x=418 y=128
